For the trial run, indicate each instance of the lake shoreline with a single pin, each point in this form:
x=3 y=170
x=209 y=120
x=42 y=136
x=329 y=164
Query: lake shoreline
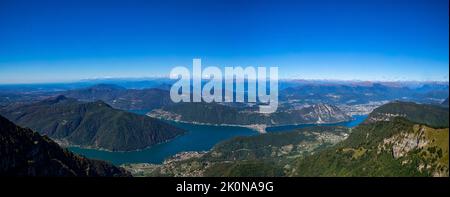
x=65 y=144
x=260 y=128
x=198 y=138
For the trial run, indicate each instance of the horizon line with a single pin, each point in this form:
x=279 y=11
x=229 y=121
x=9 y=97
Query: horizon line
x=165 y=77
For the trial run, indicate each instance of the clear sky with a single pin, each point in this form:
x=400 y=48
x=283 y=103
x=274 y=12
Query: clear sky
x=49 y=41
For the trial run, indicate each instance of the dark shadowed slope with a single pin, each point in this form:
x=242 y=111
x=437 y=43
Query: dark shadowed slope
x=26 y=153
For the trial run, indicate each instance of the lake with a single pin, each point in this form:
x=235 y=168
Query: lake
x=197 y=138
x=357 y=119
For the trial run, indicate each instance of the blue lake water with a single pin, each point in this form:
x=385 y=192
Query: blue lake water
x=197 y=138
x=357 y=119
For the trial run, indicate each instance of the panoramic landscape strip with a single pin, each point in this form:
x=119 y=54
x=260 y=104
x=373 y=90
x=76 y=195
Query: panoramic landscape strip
x=210 y=97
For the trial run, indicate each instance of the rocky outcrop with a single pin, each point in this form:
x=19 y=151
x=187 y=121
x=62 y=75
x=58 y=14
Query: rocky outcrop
x=401 y=144
x=428 y=144
x=324 y=113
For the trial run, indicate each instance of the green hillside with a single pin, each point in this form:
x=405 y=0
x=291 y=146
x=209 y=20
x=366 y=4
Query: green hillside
x=432 y=115
x=93 y=124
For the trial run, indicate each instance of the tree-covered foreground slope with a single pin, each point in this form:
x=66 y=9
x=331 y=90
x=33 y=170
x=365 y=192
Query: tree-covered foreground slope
x=26 y=153
x=397 y=139
x=93 y=124
x=389 y=148
x=392 y=142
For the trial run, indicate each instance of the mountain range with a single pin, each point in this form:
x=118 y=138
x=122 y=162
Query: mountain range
x=152 y=94
x=359 y=94
x=122 y=98
x=397 y=139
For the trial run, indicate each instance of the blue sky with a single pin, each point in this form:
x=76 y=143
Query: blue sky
x=50 y=41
